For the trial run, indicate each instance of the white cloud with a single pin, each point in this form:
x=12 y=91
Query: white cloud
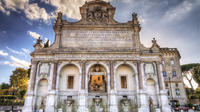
x=2 y=53
x=34 y=34
x=32 y=11
x=2 y=9
x=25 y=50
x=15 y=62
x=69 y=8
x=15 y=51
x=181 y=10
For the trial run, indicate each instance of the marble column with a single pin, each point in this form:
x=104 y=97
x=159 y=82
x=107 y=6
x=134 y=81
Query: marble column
x=159 y=74
x=163 y=92
x=143 y=103
x=54 y=76
x=140 y=75
x=51 y=98
x=28 y=105
x=83 y=75
x=82 y=95
x=111 y=75
x=112 y=93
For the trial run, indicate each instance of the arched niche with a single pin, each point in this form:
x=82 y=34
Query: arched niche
x=151 y=91
x=69 y=78
x=42 y=91
x=125 y=77
x=97 y=79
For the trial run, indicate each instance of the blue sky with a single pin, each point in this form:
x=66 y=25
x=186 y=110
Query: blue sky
x=174 y=23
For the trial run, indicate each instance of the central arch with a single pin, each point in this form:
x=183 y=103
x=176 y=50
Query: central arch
x=97 y=79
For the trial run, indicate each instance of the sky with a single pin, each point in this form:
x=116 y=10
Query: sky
x=174 y=24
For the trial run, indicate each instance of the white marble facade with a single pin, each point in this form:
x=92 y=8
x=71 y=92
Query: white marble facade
x=96 y=65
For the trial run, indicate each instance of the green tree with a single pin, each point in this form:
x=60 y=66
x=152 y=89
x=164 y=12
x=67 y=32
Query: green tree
x=4 y=86
x=19 y=78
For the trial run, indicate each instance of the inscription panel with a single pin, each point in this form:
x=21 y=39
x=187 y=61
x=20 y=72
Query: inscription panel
x=97 y=39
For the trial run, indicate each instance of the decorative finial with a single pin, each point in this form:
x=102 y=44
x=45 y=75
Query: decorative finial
x=38 y=44
x=39 y=41
x=59 y=18
x=135 y=18
x=155 y=43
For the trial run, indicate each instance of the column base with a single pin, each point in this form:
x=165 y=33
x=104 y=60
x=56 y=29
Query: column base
x=166 y=109
x=50 y=103
x=28 y=105
x=82 y=101
x=113 y=109
x=82 y=109
x=143 y=109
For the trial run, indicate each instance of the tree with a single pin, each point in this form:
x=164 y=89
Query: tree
x=19 y=78
x=4 y=86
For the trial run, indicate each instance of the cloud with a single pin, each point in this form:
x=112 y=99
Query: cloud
x=34 y=34
x=15 y=51
x=15 y=62
x=69 y=8
x=26 y=50
x=2 y=53
x=181 y=10
x=2 y=9
x=32 y=11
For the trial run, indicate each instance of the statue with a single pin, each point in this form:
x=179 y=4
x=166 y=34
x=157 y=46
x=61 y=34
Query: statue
x=42 y=105
x=68 y=105
x=125 y=104
x=151 y=106
x=98 y=105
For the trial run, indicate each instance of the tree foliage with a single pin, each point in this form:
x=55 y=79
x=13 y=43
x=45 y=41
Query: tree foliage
x=195 y=70
x=19 y=78
x=14 y=93
x=4 y=86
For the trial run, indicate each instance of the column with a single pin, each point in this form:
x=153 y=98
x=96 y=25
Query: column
x=111 y=75
x=51 y=98
x=83 y=75
x=163 y=92
x=159 y=74
x=140 y=75
x=28 y=105
x=82 y=95
x=54 y=76
x=143 y=100
x=113 y=96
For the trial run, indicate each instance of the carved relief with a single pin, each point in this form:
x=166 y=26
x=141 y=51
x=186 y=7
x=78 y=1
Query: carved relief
x=149 y=69
x=44 y=69
x=97 y=15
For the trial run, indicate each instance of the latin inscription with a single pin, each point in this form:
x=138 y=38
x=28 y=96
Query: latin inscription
x=88 y=38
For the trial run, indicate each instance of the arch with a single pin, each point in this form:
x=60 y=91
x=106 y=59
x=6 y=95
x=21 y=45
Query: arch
x=68 y=78
x=60 y=67
x=87 y=73
x=97 y=78
x=127 y=63
x=125 y=78
x=100 y=63
x=152 y=90
x=42 y=92
x=67 y=63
